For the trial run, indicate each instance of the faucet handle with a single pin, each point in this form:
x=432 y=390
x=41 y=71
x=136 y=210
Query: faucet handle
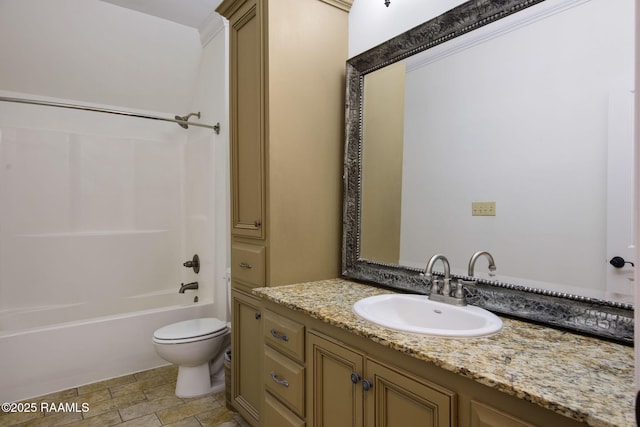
x=446 y=288
x=459 y=293
x=193 y=263
x=435 y=285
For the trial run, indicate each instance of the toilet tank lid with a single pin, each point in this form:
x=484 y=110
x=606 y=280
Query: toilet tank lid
x=190 y=328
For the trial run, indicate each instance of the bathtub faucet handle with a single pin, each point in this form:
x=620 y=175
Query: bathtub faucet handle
x=193 y=263
x=192 y=285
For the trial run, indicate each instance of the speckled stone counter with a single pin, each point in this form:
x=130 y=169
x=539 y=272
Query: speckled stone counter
x=583 y=378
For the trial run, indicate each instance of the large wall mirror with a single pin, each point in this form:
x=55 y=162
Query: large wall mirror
x=522 y=110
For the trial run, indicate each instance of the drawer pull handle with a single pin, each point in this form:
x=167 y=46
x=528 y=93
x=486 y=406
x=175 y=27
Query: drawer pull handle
x=257 y=223
x=246 y=265
x=276 y=335
x=278 y=381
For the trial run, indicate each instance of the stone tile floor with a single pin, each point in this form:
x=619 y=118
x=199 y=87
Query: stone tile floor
x=144 y=399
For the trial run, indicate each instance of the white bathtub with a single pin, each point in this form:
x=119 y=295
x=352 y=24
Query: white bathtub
x=41 y=352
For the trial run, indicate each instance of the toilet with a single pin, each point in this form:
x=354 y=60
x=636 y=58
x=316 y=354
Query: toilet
x=197 y=346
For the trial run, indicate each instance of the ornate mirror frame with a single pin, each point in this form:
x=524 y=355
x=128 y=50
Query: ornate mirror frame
x=605 y=319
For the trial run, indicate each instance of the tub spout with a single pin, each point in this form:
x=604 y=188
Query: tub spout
x=183 y=287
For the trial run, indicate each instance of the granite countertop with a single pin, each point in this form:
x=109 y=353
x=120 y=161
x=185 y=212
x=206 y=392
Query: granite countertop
x=583 y=378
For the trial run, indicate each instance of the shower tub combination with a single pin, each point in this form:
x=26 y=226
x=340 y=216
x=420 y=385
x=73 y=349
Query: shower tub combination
x=45 y=356
x=95 y=219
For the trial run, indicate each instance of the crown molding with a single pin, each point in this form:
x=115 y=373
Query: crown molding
x=340 y=4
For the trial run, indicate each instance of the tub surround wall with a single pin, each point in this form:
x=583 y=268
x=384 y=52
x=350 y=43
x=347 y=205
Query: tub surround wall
x=87 y=216
x=581 y=378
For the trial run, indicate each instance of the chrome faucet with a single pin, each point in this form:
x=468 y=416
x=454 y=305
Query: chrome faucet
x=428 y=273
x=183 y=287
x=474 y=258
x=444 y=294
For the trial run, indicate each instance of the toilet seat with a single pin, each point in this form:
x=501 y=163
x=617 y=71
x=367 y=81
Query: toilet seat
x=190 y=331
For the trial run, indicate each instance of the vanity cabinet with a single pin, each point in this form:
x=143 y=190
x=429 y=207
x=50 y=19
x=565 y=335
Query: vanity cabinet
x=348 y=388
x=486 y=416
x=286 y=132
x=246 y=351
x=284 y=369
x=353 y=381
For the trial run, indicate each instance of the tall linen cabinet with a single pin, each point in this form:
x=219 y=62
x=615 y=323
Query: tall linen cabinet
x=287 y=65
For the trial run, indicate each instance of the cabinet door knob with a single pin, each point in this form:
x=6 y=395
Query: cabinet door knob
x=257 y=223
x=278 y=336
x=367 y=385
x=258 y=315
x=355 y=378
x=276 y=380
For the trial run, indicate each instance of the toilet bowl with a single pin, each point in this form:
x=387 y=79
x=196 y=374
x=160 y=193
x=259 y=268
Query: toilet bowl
x=197 y=346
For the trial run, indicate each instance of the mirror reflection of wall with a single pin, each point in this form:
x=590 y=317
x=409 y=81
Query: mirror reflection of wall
x=533 y=120
x=383 y=122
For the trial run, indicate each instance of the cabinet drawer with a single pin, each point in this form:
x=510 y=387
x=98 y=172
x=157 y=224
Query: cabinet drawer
x=285 y=335
x=248 y=264
x=284 y=378
x=276 y=414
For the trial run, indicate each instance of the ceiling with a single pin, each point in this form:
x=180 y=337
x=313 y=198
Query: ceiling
x=192 y=13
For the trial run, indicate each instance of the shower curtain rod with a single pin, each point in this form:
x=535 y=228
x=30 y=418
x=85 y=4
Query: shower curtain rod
x=182 y=123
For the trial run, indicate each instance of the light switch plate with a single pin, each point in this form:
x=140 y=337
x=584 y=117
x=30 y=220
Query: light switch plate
x=483 y=208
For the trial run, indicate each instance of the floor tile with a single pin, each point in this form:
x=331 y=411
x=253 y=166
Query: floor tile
x=189 y=409
x=110 y=418
x=90 y=388
x=143 y=399
x=149 y=406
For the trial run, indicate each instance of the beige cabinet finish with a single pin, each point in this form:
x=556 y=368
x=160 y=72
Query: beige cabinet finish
x=286 y=90
x=334 y=398
x=246 y=391
x=347 y=388
x=284 y=379
x=284 y=371
x=287 y=66
x=485 y=416
x=404 y=391
x=278 y=415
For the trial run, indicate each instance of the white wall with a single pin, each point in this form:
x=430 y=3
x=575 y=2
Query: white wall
x=371 y=23
x=92 y=51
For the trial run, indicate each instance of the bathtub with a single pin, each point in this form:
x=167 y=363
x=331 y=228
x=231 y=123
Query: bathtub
x=42 y=352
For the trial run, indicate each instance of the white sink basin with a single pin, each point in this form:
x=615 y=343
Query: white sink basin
x=419 y=315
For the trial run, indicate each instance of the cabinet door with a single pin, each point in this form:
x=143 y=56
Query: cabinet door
x=397 y=400
x=247 y=126
x=334 y=399
x=485 y=416
x=246 y=353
